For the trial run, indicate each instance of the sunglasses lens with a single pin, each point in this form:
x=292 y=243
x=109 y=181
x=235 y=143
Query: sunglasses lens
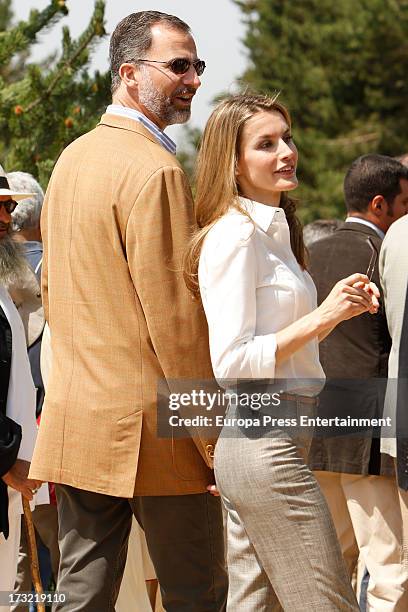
x=180 y=65
x=199 y=67
x=9 y=205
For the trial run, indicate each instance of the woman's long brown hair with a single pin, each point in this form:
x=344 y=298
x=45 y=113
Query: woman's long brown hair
x=217 y=189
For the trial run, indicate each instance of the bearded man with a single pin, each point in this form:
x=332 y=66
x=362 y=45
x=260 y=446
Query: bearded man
x=17 y=396
x=116 y=218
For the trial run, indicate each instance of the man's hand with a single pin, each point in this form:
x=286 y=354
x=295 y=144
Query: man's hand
x=16 y=478
x=213 y=490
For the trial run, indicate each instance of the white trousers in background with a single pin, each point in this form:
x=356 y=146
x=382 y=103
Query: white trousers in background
x=138 y=569
x=9 y=556
x=367 y=515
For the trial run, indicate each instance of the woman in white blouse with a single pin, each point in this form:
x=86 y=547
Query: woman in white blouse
x=247 y=263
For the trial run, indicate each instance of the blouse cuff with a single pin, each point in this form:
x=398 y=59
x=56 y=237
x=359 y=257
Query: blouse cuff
x=263 y=360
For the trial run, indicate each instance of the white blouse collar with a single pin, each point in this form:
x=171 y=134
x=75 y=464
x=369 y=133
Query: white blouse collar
x=262 y=214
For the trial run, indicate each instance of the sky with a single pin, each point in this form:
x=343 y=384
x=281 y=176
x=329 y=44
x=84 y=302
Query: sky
x=217 y=28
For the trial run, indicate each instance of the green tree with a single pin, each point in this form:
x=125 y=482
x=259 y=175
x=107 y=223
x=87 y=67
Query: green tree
x=341 y=69
x=6 y=14
x=14 y=69
x=187 y=153
x=11 y=71
x=49 y=104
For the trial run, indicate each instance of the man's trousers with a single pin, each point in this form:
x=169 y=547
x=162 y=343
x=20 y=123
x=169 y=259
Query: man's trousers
x=367 y=516
x=184 y=535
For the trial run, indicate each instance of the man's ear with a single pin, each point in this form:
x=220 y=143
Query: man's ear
x=129 y=75
x=378 y=205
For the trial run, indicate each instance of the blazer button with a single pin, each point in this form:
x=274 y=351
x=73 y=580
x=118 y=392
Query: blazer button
x=210 y=450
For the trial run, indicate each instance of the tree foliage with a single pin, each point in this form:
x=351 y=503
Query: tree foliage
x=188 y=152
x=341 y=69
x=47 y=106
x=6 y=14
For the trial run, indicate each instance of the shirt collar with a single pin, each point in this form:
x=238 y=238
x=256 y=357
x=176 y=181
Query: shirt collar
x=31 y=246
x=262 y=214
x=368 y=224
x=131 y=113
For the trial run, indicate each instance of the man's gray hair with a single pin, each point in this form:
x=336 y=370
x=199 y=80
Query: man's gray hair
x=315 y=231
x=132 y=39
x=27 y=213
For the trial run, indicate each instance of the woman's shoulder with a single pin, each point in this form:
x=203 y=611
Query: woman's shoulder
x=230 y=236
x=235 y=227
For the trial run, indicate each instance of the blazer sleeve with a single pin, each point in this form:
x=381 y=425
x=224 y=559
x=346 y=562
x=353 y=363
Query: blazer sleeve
x=393 y=270
x=158 y=229
x=394 y=274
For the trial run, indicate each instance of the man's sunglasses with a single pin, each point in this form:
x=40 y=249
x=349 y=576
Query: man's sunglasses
x=179 y=65
x=9 y=205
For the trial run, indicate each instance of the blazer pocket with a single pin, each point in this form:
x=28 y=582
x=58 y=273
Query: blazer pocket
x=187 y=461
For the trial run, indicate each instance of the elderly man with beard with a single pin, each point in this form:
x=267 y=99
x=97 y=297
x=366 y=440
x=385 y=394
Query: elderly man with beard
x=17 y=397
x=116 y=218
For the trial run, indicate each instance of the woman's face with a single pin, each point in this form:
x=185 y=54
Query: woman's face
x=267 y=158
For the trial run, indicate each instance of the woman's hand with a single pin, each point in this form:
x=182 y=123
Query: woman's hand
x=371 y=289
x=349 y=298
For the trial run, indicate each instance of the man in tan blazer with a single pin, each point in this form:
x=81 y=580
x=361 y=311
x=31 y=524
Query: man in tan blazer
x=116 y=219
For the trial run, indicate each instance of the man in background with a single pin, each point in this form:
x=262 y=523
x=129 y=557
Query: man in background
x=316 y=230
x=26 y=218
x=394 y=280
x=357 y=481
